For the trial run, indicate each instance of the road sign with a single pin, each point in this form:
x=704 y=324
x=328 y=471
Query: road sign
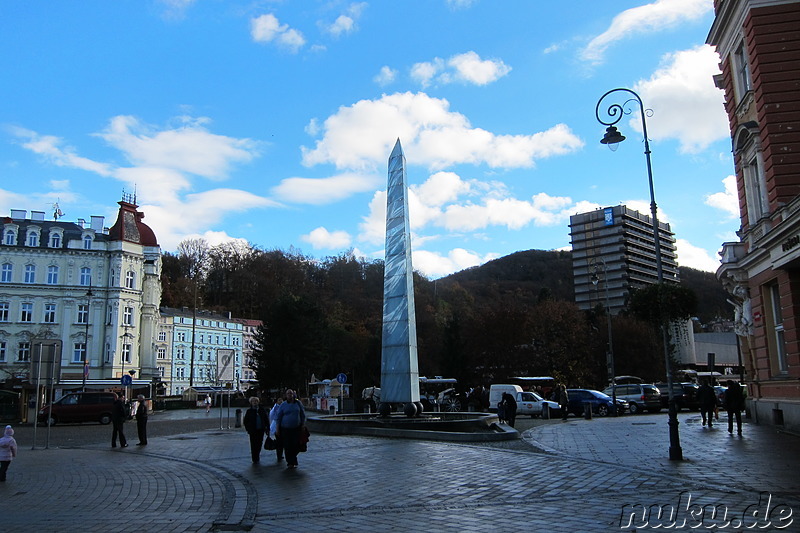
x=342 y=378
x=126 y=380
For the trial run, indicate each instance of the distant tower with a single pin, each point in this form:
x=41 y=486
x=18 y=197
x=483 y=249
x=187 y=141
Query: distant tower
x=399 y=367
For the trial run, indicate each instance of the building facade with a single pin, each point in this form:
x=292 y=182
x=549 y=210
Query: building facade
x=614 y=247
x=759 y=46
x=200 y=349
x=250 y=327
x=79 y=296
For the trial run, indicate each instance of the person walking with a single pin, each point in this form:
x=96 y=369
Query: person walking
x=141 y=420
x=256 y=421
x=510 y=405
x=273 y=428
x=707 y=399
x=290 y=420
x=563 y=401
x=734 y=403
x=118 y=416
x=207 y=403
x=8 y=450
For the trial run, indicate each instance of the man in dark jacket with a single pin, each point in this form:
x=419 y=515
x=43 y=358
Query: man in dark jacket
x=734 y=403
x=141 y=420
x=290 y=419
x=256 y=422
x=118 y=416
x=707 y=399
x=510 y=404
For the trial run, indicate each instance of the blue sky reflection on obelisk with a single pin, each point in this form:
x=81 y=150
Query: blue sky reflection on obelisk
x=399 y=367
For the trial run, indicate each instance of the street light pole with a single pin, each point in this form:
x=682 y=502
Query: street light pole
x=610 y=353
x=613 y=114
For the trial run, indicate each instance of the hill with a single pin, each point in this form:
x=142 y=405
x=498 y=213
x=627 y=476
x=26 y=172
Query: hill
x=533 y=274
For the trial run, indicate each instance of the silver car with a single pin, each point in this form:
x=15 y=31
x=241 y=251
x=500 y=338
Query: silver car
x=638 y=396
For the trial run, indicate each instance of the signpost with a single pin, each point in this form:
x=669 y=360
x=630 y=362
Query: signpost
x=342 y=379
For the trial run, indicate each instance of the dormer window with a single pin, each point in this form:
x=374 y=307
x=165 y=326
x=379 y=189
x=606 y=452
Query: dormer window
x=55 y=239
x=87 y=242
x=10 y=237
x=33 y=238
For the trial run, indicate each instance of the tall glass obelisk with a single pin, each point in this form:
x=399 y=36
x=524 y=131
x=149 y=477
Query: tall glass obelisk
x=399 y=367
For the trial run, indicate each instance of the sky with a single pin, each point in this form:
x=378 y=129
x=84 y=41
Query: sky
x=271 y=121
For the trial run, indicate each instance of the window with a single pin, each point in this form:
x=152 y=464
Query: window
x=162 y=354
x=87 y=242
x=86 y=276
x=755 y=187
x=162 y=336
x=52 y=275
x=130 y=279
x=55 y=240
x=30 y=273
x=126 y=353
x=777 y=319
x=83 y=314
x=49 y=313
x=161 y=371
x=10 y=237
x=33 y=238
x=79 y=352
x=2 y=351
x=181 y=336
x=180 y=372
x=5 y=273
x=742 y=71
x=113 y=279
x=108 y=352
x=127 y=316
x=26 y=312
x=4 y=306
x=202 y=339
x=181 y=353
x=24 y=352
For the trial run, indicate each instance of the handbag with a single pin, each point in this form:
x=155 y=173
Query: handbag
x=305 y=436
x=269 y=444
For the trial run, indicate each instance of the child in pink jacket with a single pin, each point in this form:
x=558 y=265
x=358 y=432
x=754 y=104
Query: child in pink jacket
x=8 y=450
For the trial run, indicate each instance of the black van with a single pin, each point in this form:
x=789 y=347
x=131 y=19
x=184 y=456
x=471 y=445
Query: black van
x=79 y=407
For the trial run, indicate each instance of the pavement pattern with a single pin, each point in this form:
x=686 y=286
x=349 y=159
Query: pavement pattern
x=563 y=476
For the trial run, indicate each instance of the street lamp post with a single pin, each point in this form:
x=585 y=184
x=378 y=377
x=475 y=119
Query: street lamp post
x=613 y=114
x=610 y=353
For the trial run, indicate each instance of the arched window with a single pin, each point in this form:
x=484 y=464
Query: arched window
x=55 y=240
x=33 y=238
x=10 y=237
x=87 y=242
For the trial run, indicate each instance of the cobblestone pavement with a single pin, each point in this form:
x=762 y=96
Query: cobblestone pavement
x=205 y=481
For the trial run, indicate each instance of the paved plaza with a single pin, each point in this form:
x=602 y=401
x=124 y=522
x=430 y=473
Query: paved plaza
x=562 y=476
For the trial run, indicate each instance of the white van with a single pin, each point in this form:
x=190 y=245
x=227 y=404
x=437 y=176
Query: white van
x=496 y=394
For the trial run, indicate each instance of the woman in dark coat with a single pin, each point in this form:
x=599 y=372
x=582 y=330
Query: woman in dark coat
x=290 y=420
x=256 y=422
x=141 y=420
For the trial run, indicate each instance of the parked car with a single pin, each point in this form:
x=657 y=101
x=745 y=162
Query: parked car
x=530 y=403
x=719 y=392
x=601 y=403
x=638 y=396
x=79 y=407
x=685 y=395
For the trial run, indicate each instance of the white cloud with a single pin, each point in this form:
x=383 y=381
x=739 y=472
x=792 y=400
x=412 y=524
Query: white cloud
x=460 y=4
x=60 y=185
x=322 y=239
x=470 y=68
x=190 y=149
x=728 y=200
x=694 y=257
x=175 y=9
x=324 y=191
x=267 y=29
x=386 y=76
x=688 y=107
x=650 y=18
x=52 y=149
x=346 y=23
x=464 y=68
x=360 y=136
x=435 y=265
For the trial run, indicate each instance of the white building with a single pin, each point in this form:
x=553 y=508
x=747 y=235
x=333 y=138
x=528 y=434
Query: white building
x=83 y=294
x=198 y=349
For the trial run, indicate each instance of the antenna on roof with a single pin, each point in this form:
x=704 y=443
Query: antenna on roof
x=57 y=213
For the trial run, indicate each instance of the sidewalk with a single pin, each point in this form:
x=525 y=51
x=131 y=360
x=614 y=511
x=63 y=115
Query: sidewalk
x=205 y=481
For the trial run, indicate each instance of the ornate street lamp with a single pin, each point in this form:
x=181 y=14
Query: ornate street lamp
x=613 y=114
x=610 y=353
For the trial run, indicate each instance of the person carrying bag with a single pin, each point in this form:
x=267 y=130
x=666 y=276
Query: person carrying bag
x=290 y=421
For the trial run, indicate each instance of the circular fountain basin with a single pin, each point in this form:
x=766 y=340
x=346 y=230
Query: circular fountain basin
x=459 y=427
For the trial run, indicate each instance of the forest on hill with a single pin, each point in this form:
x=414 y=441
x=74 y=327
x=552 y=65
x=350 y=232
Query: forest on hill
x=511 y=316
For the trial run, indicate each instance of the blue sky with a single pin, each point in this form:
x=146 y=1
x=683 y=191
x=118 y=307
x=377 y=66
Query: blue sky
x=272 y=121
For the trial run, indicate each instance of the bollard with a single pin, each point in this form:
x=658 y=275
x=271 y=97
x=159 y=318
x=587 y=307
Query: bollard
x=238 y=418
x=545 y=412
x=587 y=411
x=332 y=409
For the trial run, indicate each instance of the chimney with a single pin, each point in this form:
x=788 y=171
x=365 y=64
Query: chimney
x=37 y=215
x=19 y=213
x=97 y=223
x=81 y=222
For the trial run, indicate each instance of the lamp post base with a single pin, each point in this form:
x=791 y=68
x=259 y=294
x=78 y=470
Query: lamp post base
x=675 y=450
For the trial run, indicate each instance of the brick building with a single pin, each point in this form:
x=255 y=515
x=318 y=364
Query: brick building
x=759 y=45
